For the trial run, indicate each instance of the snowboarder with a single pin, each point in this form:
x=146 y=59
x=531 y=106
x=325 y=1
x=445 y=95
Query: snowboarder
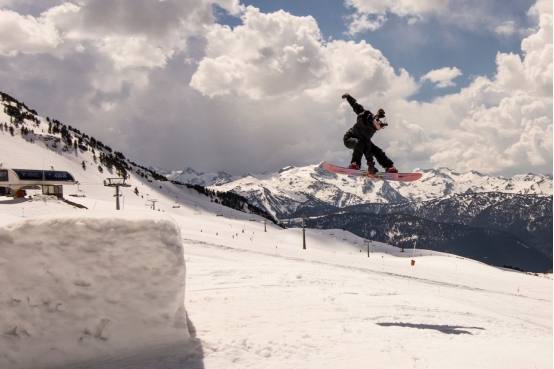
x=358 y=138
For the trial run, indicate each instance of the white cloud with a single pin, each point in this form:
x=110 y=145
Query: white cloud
x=361 y=70
x=279 y=54
x=133 y=33
x=442 y=77
x=399 y=7
x=232 y=6
x=508 y=121
x=410 y=141
x=26 y=34
x=507 y=28
x=128 y=52
x=362 y=22
x=475 y=15
x=370 y=14
x=269 y=55
x=540 y=7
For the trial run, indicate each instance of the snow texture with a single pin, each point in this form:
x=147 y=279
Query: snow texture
x=80 y=286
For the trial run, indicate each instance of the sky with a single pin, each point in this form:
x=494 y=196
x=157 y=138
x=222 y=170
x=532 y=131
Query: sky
x=255 y=86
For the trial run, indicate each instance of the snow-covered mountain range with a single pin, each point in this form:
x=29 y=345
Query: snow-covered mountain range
x=190 y=176
x=294 y=189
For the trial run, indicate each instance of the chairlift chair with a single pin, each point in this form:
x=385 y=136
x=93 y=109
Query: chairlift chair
x=79 y=193
x=196 y=211
x=176 y=205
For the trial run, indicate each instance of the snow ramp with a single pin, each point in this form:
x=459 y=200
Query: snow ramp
x=76 y=288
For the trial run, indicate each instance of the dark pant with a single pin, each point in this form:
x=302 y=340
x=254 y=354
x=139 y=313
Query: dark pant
x=367 y=149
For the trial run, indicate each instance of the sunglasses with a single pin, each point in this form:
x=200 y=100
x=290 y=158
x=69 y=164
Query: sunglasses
x=382 y=122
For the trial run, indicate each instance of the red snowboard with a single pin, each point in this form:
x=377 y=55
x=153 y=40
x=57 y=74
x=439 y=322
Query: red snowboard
x=399 y=177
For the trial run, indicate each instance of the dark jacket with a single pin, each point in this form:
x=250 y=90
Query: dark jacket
x=364 y=128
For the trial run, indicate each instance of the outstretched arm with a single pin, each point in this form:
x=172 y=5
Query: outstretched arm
x=358 y=109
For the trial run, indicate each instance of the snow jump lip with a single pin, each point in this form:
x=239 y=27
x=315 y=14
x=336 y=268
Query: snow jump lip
x=399 y=177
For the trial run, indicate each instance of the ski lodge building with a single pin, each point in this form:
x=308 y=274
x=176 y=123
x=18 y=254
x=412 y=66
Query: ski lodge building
x=19 y=180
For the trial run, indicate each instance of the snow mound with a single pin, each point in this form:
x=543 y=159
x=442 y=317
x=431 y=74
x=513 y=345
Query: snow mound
x=78 y=287
x=44 y=198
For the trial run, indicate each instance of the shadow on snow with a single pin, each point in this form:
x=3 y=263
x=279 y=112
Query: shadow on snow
x=447 y=329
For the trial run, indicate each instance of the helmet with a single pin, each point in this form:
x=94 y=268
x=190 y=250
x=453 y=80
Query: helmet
x=380 y=118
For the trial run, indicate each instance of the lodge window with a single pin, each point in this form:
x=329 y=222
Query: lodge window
x=56 y=190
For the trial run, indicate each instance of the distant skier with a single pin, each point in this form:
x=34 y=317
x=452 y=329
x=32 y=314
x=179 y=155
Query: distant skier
x=358 y=138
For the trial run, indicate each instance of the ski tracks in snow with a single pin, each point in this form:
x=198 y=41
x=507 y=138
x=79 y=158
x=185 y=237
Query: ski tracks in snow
x=293 y=308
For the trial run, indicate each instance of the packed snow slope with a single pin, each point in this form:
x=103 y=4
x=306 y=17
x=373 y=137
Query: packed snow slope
x=257 y=299
x=78 y=285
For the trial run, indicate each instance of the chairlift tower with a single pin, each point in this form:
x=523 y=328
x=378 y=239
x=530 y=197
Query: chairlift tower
x=366 y=244
x=304 y=217
x=116 y=182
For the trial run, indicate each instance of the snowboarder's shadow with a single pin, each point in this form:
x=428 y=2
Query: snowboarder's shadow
x=447 y=329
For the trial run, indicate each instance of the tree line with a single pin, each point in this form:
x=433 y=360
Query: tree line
x=114 y=160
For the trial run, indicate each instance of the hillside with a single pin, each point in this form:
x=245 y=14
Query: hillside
x=91 y=154
x=490 y=246
x=528 y=217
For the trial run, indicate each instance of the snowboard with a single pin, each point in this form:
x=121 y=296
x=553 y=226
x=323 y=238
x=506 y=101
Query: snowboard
x=399 y=177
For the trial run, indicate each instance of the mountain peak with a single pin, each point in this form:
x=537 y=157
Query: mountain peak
x=286 y=169
x=283 y=192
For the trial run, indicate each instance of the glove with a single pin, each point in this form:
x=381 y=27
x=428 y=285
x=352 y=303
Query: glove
x=345 y=95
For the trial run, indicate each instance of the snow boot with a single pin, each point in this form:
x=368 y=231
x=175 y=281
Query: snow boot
x=371 y=167
x=354 y=165
x=391 y=170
